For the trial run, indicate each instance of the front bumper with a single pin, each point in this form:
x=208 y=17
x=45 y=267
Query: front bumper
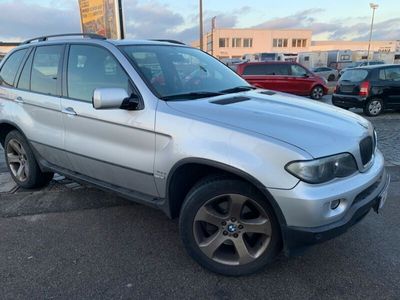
x=297 y=238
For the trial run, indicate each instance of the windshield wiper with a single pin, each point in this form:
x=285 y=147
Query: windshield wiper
x=238 y=89
x=191 y=96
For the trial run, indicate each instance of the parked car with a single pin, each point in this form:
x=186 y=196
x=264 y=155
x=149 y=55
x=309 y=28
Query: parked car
x=361 y=64
x=289 y=77
x=249 y=172
x=372 y=88
x=325 y=72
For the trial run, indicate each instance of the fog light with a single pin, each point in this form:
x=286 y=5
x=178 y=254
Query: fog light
x=335 y=204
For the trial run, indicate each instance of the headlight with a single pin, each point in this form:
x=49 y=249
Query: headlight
x=323 y=169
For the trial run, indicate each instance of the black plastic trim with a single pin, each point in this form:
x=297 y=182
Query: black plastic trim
x=233 y=170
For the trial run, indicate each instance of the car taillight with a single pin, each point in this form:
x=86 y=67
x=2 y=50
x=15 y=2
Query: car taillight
x=364 y=89
x=335 y=89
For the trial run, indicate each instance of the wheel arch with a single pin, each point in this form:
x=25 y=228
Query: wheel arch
x=187 y=172
x=5 y=128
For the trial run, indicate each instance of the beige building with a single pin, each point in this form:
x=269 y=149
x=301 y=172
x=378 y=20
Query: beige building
x=376 y=46
x=234 y=43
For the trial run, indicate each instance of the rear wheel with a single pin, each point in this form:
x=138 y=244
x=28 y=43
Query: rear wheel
x=22 y=163
x=373 y=107
x=331 y=77
x=317 y=92
x=228 y=227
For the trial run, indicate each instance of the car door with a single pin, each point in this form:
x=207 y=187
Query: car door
x=392 y=86
x=114 y=147
x=38 y=114
x=301 y=80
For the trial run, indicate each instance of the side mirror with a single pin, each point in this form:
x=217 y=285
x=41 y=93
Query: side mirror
x=306 y=75
x=114 y=98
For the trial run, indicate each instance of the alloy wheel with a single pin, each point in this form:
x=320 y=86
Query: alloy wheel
x=317 y=93
x=232 y=229
x=374 y=107
x=17 y=160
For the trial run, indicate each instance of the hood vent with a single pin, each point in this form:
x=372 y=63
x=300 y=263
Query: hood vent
x=269 y=93
x=230 y=100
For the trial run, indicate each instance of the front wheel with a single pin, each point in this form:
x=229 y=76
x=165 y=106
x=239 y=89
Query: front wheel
x=331 y=77
x=22 y=163
x=317 y=92
x=373 y=107
x=228 y=227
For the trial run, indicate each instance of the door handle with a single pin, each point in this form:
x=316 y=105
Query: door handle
x=69 y=111
x=19 y=100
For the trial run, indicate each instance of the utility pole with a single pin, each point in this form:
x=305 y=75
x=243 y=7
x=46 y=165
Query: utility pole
x=374 y=7
x=201 y=23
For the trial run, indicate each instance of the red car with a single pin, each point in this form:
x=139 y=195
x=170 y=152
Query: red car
x=289 y=77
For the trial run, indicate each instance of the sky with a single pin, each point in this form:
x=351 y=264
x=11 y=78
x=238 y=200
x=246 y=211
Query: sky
x=178 y=19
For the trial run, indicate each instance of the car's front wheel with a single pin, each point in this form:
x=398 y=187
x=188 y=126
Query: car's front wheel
x=228 y=227
x=317 y=92
x=373 y=107
x=22 y=163
x=331 y=77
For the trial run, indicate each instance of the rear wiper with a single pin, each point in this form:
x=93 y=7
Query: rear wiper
x=191 y=96
x=238 y=89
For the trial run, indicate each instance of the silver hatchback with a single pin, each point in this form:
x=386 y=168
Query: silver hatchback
x=249 y=172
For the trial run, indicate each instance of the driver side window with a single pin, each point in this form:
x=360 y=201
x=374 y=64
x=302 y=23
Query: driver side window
x=298 y=71
x=92 y=67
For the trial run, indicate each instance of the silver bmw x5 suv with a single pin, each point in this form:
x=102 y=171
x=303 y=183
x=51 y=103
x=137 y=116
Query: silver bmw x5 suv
x=249 y=172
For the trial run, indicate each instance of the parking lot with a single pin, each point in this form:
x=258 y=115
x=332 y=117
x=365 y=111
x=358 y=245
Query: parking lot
x=72 y=241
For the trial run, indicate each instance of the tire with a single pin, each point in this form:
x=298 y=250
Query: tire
x=22 y=164
x=317 y=92
x=331 y=77
x=215 y=246
x=373 y=107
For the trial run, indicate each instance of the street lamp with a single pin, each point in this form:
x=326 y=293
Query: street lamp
x=374 y=7
x=201 y=23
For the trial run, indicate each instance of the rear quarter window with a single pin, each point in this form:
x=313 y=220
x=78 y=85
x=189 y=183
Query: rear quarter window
x=10 y=68
x=354 y=75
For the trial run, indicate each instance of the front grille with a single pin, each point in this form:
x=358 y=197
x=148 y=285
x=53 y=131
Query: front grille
x=367 y=146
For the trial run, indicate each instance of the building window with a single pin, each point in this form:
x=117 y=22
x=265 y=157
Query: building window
x=299 y=43
x=247 y=43
x=223 y=42
x=236 y=42
x=280 y=43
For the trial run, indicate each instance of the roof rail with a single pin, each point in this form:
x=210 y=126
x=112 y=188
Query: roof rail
x=45 y=38
x=168 y=41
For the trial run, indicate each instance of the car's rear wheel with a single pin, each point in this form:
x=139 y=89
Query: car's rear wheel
x=373 y=107
x=22 y=163
x=228 y=227
x=331 y=77
x=317 y=92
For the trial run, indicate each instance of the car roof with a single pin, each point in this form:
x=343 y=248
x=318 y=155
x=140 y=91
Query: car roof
x=94 y=38
x=369 y=67
x=269 y=62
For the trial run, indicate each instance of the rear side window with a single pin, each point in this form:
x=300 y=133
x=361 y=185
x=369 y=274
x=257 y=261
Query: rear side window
x=45 y=68
x=354 y=75
x=254 y=70
x=10 y=68
x=25 y=77
x=390 y=74
x=92 y=67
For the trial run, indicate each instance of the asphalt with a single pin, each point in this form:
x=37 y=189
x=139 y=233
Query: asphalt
x=75 y=242
x=69 y=246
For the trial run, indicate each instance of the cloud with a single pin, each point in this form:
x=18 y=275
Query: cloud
x=21 y=20
x=352 y=28
x=151 y=19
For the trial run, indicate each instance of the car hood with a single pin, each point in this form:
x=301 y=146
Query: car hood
x=317 y=128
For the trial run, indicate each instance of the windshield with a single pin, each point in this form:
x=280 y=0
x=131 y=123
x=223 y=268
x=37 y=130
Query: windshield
x=171 y=71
